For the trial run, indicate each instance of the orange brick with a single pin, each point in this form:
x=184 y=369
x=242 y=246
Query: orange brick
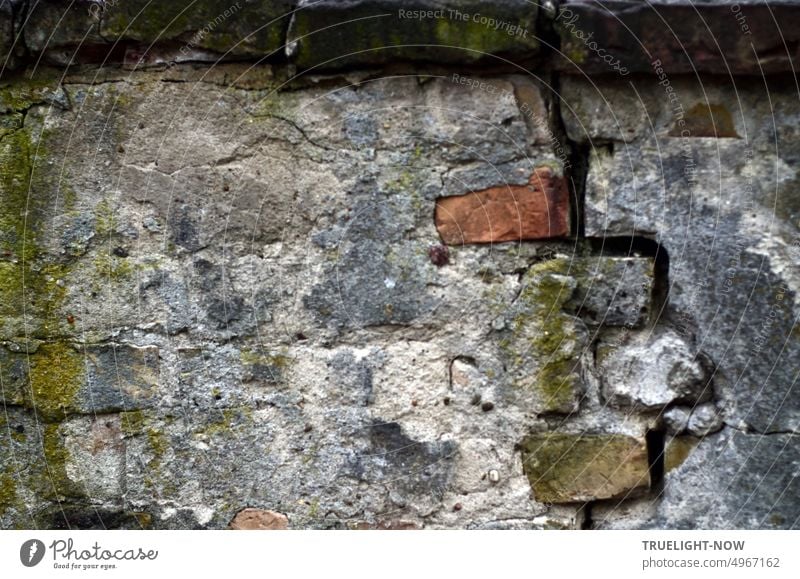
x=538 y=210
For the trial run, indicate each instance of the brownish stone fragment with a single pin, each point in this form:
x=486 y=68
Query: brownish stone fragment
x=538 y=210
x=259 y=520
x=706 y=120
x=568 y=468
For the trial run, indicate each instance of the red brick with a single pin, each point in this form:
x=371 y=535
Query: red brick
x=538 y=210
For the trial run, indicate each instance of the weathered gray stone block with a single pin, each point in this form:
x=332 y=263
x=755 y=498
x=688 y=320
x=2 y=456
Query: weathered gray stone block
x=612 y=291
x=724 y=211
x=699 y=420
x=654 y=369
x=119 y=378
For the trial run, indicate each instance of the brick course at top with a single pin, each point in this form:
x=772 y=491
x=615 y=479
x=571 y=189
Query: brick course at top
x=596 y=36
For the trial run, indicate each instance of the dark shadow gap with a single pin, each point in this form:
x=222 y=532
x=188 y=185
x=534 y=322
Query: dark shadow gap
x=655 y=458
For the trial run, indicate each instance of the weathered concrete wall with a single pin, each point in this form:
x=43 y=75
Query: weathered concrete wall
x=350 y=265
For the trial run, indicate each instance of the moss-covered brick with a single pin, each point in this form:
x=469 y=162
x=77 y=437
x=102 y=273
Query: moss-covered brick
x=32 y=287
x=543 y=343
x=331 y=34
x=566 y=468
x=61 y=378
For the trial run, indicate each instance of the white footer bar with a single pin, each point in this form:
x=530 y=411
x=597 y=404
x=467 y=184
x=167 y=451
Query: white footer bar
x=402 y=554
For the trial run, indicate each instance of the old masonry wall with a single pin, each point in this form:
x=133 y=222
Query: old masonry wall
x=380 y=264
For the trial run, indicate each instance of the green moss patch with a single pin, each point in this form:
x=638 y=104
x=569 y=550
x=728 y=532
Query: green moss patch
x=51 y=481
x=542 y=332
x=56 y=374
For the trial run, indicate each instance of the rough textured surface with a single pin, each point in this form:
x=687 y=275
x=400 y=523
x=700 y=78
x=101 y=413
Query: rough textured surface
x=612 y=291
x=724 y=209
x=259 y=520
x=742 y=36
x=142 y=32
x=226 y=297
x=654 y=371
x=565 y=468
x=737 y=481
x=295 y=360
x=333 y=33
x=595 y=36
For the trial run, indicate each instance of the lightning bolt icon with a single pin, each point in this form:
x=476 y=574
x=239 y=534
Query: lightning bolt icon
x=34 y=549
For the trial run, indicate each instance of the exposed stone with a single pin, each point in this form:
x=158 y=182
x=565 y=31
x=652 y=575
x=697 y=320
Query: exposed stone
x=601 y=111
x=611 y=291
x=409 y=467
x=737 y=481
x=654 y=369
x=259 y=520
x=705 y=419
x=676 y=419
x=749 y=36
x=333 y=34
x=57 y=379
x=544 y=344
x=718 y=205
x=677 y=449
x=606 y=111
x=538 y=210
x=119 y=378
x=566 y=468
x=202 y=32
